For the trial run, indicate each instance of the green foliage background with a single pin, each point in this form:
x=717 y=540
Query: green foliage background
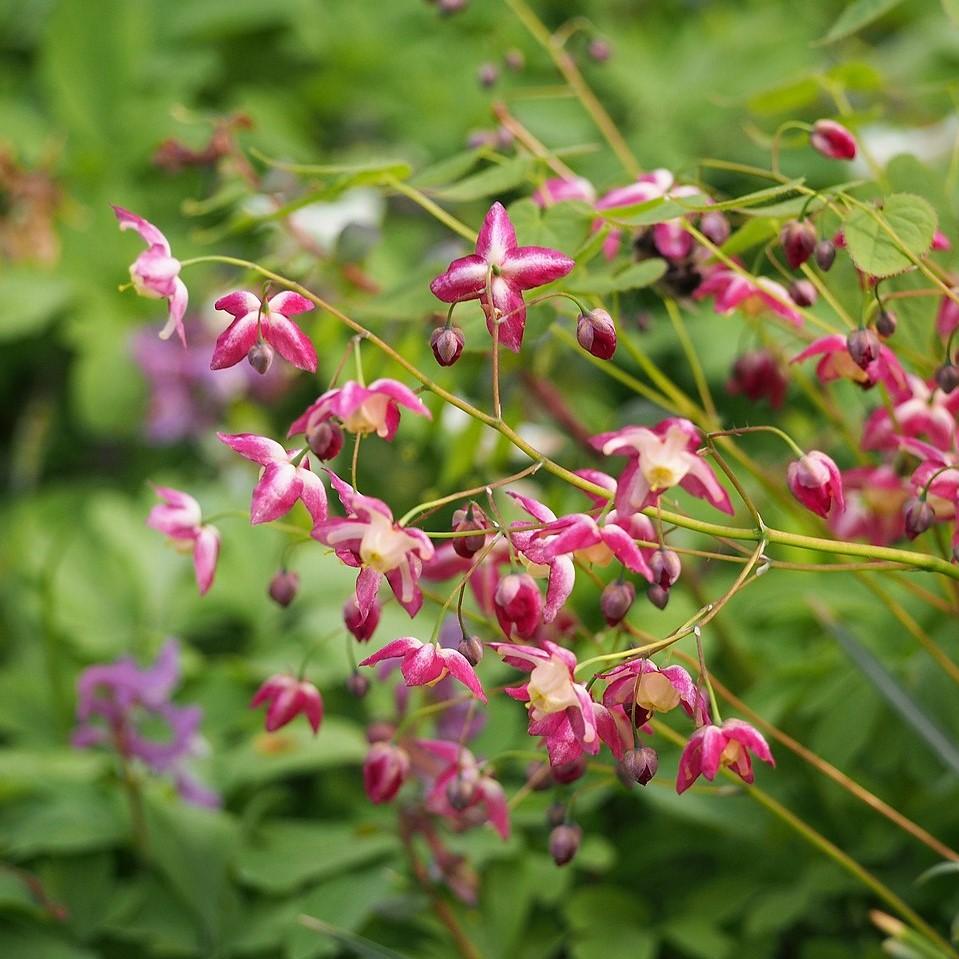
x=88 y=89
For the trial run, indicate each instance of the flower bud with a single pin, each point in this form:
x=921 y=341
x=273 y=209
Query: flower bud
x=615 y=602
x=556 y=814
x=863 y=346
x=260 y=356
x=379 y=732
x=715 y=227
x=803 y=293
x=564 y=843
x=325 y=440
x=640 y=765
x=919 y=516
x=833 y=140
x=825 y=253
x=487 y=75
x=460 y=792
x=357 y=685
x=815 y=480
x=947 y=377
x=658 y=596
x=566 y=773
x=465 y=520
x=384 y=770
x=539 y=777
x=514 y=60
x=471 y=649
x=886 y=323
x=361 y=628
x=451 y=6
x=757 y=375
x=518 y=604
x=596 y=333
x=447 y=344
x=599 y=50
x=284 y=586
x=798 y=240
x=666 y=567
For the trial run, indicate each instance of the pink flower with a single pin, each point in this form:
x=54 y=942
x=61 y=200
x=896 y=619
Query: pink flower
x=518 y=604
x=711 y=747
x=874 y=498
x=507 y=269
x=732 y=290
x=660 y=458
x=179 y=517
x=943 y=489
x=425 y=664
x=362 y=409
x=255 y=321
x=815 y=481
x=757 y=375
x=642 y=689
x=836 y=363
x=282 y=482
x=947 y=318
x=370 y=540
x=649 y=186
x=384 y=770
x=832 y=140
x=919 y=410
x=286 y=698
x=558 y=190
x=155 y=273
x=361 y=626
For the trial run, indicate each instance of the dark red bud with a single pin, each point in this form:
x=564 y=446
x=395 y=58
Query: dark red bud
x=357 y=685
x=666 y=567
x=596 y=333
x=798 y=240
x=260 y=357
x=539 y=777
x=863 y=346
x=284 y=587
x=658 y=596
x=514 y=60
x=487 y=74
x=447 y=344
x=599 y=50
x=564 y=843
x=919 y=516
x=825 y=254
x=886 y=323
x=615 y=602
x=471 y=649
x=757 y=375
x=947 y=377
x=715 y=227
x=464 y=521
x=556 y=815
x=569 y=772
x=803 y=293
x=325 y=439
x=379 y=732
x=460 y=793
x=640 y=765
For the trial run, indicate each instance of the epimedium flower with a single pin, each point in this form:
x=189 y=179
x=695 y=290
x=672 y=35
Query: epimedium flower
x=287 y=697
x=361 y=409
x=385 y=769
x=156 y=272
x=179 y=518
x=815 y=480
x=734 y=291
x=712 y=747
x=757 y=375
x=873 y=497
x=284 y=479
x=837 y=363
x=256 y=321
x=832 y=140
x=659 y=458
x=642 y=689
x=369 y=539
x=561 y=189
x=502 y=268
x=425 y=664
x=518 y=605
x=918 y=409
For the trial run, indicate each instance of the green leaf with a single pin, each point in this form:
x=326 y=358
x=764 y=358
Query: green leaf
x=357 y=945
x=490 y=182
x=942 y=869
x=857 y=15
x=634 y=277
x=750 y=199
x=33 y=300
x=447 y=171
x=876 y=237
x=37 y=943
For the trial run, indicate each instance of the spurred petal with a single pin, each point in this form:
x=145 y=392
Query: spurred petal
x=289 y=341
x=459 y=668
x=289 y=303
x=367 y=585
x=259 y=449
x=625 y=550
x=399 y=647
x=178 y=303
x=750 y=737
x=313 y=493
x=496 y=236
x=206 y=550
x=238 y=304
x=464 y=279
x=701 y=481
x=130 y=221
x=530 y=266
x=400 y=394
x=235 y=342
x=562 y=577
x=276 y=492
x=510 y=312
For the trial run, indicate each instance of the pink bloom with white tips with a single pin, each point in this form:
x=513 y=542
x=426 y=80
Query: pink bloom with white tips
x=369 y=539
x=661 y=457
x=837 y=363
x=425 y=664
x=734 y=291
x=156 y=273
x=281 y=483
x=833 y=140
x=286 y=698
x=559 y=190
x=256 y=319
x=815 y=480
x=642 y=689
x=507 y=270
x=712 y=747
x=362 y=409
x=179 y=517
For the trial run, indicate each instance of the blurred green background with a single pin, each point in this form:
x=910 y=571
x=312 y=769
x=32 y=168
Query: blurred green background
x=89 y=91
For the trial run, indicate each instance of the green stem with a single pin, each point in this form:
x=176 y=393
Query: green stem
x=743 y=430
x=699 y=376
x=436 y=211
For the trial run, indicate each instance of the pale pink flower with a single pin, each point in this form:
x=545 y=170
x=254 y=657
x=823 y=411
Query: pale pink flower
x=559 y=189
x=734 y=291
x=179 y=517
x=642 y=689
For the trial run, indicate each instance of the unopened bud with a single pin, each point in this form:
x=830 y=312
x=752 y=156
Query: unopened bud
x=260 y=357
x=825 y=253
x=471 y=649
x=615 y=602
x=599 y=50
x=556 y=814
x=460 y=793
x=357 y=685
x=863 y=346
x=666 y=567
x=715 y=227
x=566 y=773
x=465 y=521
x=284 y=587
x=802 y=293
x=564 y=843
x=658 y=596
x=487 y=75
x=640 y=765
x=798 y=240
x=379 y=732
x=514 y=60
x=447 y=344
x=539 y=777
x=947 y=377
x=596 y=333
x=886 y=323
x=325 y=439
x=919 y=516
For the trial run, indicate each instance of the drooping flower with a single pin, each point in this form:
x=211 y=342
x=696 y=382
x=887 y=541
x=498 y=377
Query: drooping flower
x=518 y=605
x=833 y=140
x=757 y=375
x=733 y=291
x=384 y=770
x=179 y=517
x=815 y=480
x=729 y=745
x=361 y=626
x=361 y=409
x=937 y=475
x=123 y=706
x=257 y=320
x=642 y=689
x=560 y=189
x=286 y=698
x=281 y=483
x=873 y=499
x=425 y=664
x=837 y=363
x=659 y=458
x=156 y=272
x=501 y=267
x=918 y=409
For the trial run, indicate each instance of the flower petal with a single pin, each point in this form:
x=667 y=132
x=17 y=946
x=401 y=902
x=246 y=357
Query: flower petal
x=239 y=303
x=459 y=668
x=399 y=647
x=289 y=303
x=235 y=342
x=276 y=492
x=464 y=279
x=530 y=266
x=206 y=550
x=289 y=340
x=130 y=221
x=259 y=449
x=496 y=236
